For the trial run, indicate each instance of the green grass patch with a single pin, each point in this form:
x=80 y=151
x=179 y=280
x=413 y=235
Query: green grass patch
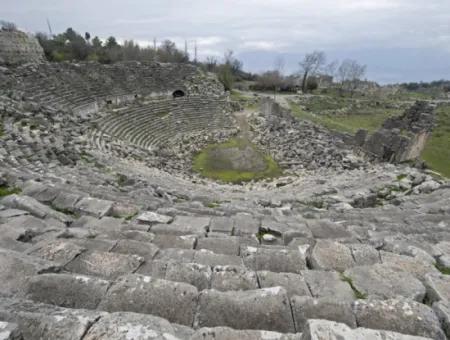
x=5 y=191
x=442 y=269
x=162 y=114
x=209 y=165
x=345 y=123
x=437 y=149
x=358 y=294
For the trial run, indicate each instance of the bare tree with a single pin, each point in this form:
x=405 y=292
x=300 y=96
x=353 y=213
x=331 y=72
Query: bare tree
x=8 y=26
x=349 y=74
x=331 y=68
x=211 y=63
x=311 y=63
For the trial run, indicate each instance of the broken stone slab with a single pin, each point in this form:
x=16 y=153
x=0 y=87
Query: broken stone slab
x=225 y=278
x=16 y=268
x=438 y=287
x=274 y=259
x=398 y=315
x=125 y=326
x=326 y=229
x=66 y=290
x=222 y=224
x=327 y=284
x=94 y=206
x=44 y=193
x=208 y=258
x=330 y=330
x=174 y=301
x=246 y=224
x=364 y=254
x=121 y=210
x=382 y=282
x=293 y=283
x=59 y=251
x=412 y=265
x=195 y=274
x=7 y=213
x=262 y=309
x=137 y=235
x=34 y=207
x=106 y=265
x=220 y=245
x=93 y=244
x=226 y=333
x=330 y=255
x=176 y=254
x=131 y=247
x=41 y=321
x=442 y=310
x=66 y=201
x=150 y=217
x=9 y=331
x=183 y=225
x=305 y=307
x=163 y=241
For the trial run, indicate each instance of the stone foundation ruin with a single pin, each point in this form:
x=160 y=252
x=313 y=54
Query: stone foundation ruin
x=19 y=48
x=107 y=234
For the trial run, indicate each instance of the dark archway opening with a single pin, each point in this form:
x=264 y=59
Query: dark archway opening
x=178 y=93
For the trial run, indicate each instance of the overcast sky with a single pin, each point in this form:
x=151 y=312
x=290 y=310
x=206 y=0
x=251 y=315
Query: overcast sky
x=399 y=40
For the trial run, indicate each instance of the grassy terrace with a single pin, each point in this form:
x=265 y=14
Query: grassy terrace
x=346 y=123
x=437 y=151
x=209 y=165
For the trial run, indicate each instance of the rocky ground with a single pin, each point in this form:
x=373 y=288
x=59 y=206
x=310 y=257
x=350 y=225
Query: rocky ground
x=100 y=241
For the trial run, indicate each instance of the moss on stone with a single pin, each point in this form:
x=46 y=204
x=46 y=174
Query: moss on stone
x=5 y=191
x=356 y=292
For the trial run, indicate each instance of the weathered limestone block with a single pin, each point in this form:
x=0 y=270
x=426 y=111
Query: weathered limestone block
x=94 y=206
x=264 y=309
x=438 y=287
x=34 y=207
x=66 y=201
x=327 y=229
x=246 y=224
x=59 y=251
x=382 y=282
x=150 y=217
x=173 y=301
x=293 y=283
x=183 y=225
x=398 y=315
x=442 y=310
x=364 y=254
x=42 y=192
x=138 y=235
x=279 y=260
x=327 y=284
x=220 y=245
x=330 y=330
x=125 y=326
x=408 y=264
x=105 y=265
x=16 y=268
x=173 y=241
x=222 y=224
x=66 y=290
x=226 y=278
x=131 y=247
x=195 y=274
x=208 y=258
x=330 y=255
x=176 y=254
x=226 y=333
x=305 y=307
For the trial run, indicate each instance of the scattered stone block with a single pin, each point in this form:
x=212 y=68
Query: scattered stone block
x=246 y=224
x=195 y=274
x=173 y=301
x=324 y=284
x=325 y=229
x=222 y=224
x=94 y=206
x=278 y=260
x=183 y=225
x=305 y=307
x=382 y=282
x=208 y=258
x=364 y=254
x=220 y=245
x=150 y=217
x=330 y=255
x=398 y=315
x=65 y=290
x=262 y=309
x=131 y=247
x=412 y=265
x=171 y=241
x=225 y=278
x=105 y=265
x=59 y=251
x=438 y=287
x=293 y=283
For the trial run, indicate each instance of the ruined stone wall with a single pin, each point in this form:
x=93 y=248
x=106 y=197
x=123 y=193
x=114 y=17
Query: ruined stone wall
x=18 y=48
x=400 y=138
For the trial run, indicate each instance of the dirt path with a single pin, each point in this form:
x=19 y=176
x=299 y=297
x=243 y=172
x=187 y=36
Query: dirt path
x=242 y=121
